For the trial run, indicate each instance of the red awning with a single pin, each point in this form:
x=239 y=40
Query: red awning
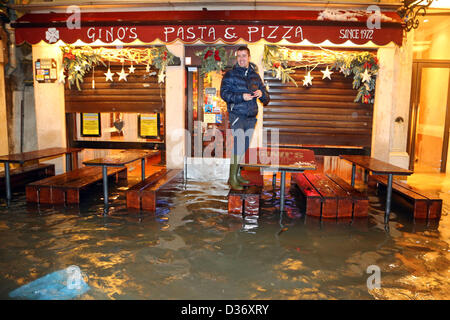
x=337 y=26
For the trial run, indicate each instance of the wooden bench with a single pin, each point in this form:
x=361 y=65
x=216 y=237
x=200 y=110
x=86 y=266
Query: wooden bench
x=65 y=188
x=21 y=176
x=328 y=196
x=142 y=196
x=245 y=202
x=425 y=204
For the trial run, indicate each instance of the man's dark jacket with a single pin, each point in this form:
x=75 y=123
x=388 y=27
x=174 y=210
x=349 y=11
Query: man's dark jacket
x=238 y=81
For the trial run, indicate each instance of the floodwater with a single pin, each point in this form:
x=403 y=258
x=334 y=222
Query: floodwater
x=193 y=249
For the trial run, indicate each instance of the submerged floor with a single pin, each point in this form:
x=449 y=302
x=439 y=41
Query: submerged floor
x=193 y=249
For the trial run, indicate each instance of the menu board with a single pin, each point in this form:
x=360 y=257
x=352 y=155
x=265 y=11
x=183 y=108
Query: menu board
x=90 y=125
x=148 y=125
x=45 y=70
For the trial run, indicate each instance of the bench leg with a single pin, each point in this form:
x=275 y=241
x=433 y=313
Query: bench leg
x=148 y=201
x=388 y=199
x=32 y=194
x=72 y=196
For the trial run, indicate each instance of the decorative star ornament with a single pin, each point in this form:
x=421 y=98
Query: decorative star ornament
x=122 y=75
x=62 y=76
x=131 y=69
x=326 y=73
x=278 y=76
x=365 y=76
x=77 y=68
x=109 y=75
x=308 y=79
x=161 y=77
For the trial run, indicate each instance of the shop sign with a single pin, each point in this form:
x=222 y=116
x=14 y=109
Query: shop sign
x=213 y=33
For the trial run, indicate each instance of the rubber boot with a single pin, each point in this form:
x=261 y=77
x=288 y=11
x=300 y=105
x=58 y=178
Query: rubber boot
x=234 y=183
x=240 y=178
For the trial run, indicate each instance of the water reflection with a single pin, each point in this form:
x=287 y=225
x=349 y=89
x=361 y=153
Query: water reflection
x=191 y=248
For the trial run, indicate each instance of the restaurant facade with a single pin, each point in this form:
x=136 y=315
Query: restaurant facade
x=157 y=85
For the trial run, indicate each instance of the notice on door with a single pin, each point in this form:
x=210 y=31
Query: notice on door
x=148 y=125
x=90 y=125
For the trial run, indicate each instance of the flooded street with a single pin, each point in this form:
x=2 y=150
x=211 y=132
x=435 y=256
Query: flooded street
x=193 y=249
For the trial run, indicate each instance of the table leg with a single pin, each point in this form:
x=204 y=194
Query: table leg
x=68 y=162
x=274 y=181
x=105 y=188
x=143 y=168
x=282 y=187
x=353 y=174
x=8 y=183
x=388 y=199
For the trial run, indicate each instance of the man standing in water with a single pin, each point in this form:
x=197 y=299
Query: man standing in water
x=240 y=88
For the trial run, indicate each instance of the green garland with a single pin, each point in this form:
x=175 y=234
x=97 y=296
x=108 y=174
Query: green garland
x=353 y=63
x=356 y=64
x=79 y=61
x=274 y=62
x=214 y=59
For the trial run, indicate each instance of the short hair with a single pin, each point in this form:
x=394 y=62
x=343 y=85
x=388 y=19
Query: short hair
x=243 y=48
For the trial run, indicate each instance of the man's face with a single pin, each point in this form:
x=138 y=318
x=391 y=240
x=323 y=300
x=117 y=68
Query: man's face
x=243 y=58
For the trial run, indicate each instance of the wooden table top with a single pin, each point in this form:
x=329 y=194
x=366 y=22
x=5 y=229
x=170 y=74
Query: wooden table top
x=280 y=158
x=121 y=159
x=36 y=155
x=375 y=165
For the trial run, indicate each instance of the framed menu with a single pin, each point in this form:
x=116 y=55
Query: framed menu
x=90 y=125
x=149 y=125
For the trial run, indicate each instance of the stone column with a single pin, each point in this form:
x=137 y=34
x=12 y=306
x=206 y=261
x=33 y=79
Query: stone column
x=257 y=51
x=3 y=119
x=392 y=102
x=49 y=107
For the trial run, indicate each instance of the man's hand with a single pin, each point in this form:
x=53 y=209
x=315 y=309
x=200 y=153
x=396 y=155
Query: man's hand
x=247 y=96
x=257 y=94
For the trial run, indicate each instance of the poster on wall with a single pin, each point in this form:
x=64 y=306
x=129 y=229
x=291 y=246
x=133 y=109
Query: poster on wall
x=45 y=70
x=90 y=125
x=148 y=125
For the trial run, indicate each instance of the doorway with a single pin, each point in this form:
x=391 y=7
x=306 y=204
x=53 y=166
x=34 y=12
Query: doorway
x=429 y=116
x=207 y=118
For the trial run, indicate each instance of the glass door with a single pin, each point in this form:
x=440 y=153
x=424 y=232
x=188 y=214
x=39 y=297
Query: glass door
x=429 y=126
x=207 y=116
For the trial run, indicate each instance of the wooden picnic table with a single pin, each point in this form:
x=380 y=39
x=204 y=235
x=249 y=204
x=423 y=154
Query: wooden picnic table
x=377 y=167
x=23 y=157
x=280 y=160
x=119 y=160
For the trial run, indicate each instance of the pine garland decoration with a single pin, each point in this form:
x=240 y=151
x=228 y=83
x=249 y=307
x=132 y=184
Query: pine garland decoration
x=214 y=59
x=78 y=61
x=277 y=62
